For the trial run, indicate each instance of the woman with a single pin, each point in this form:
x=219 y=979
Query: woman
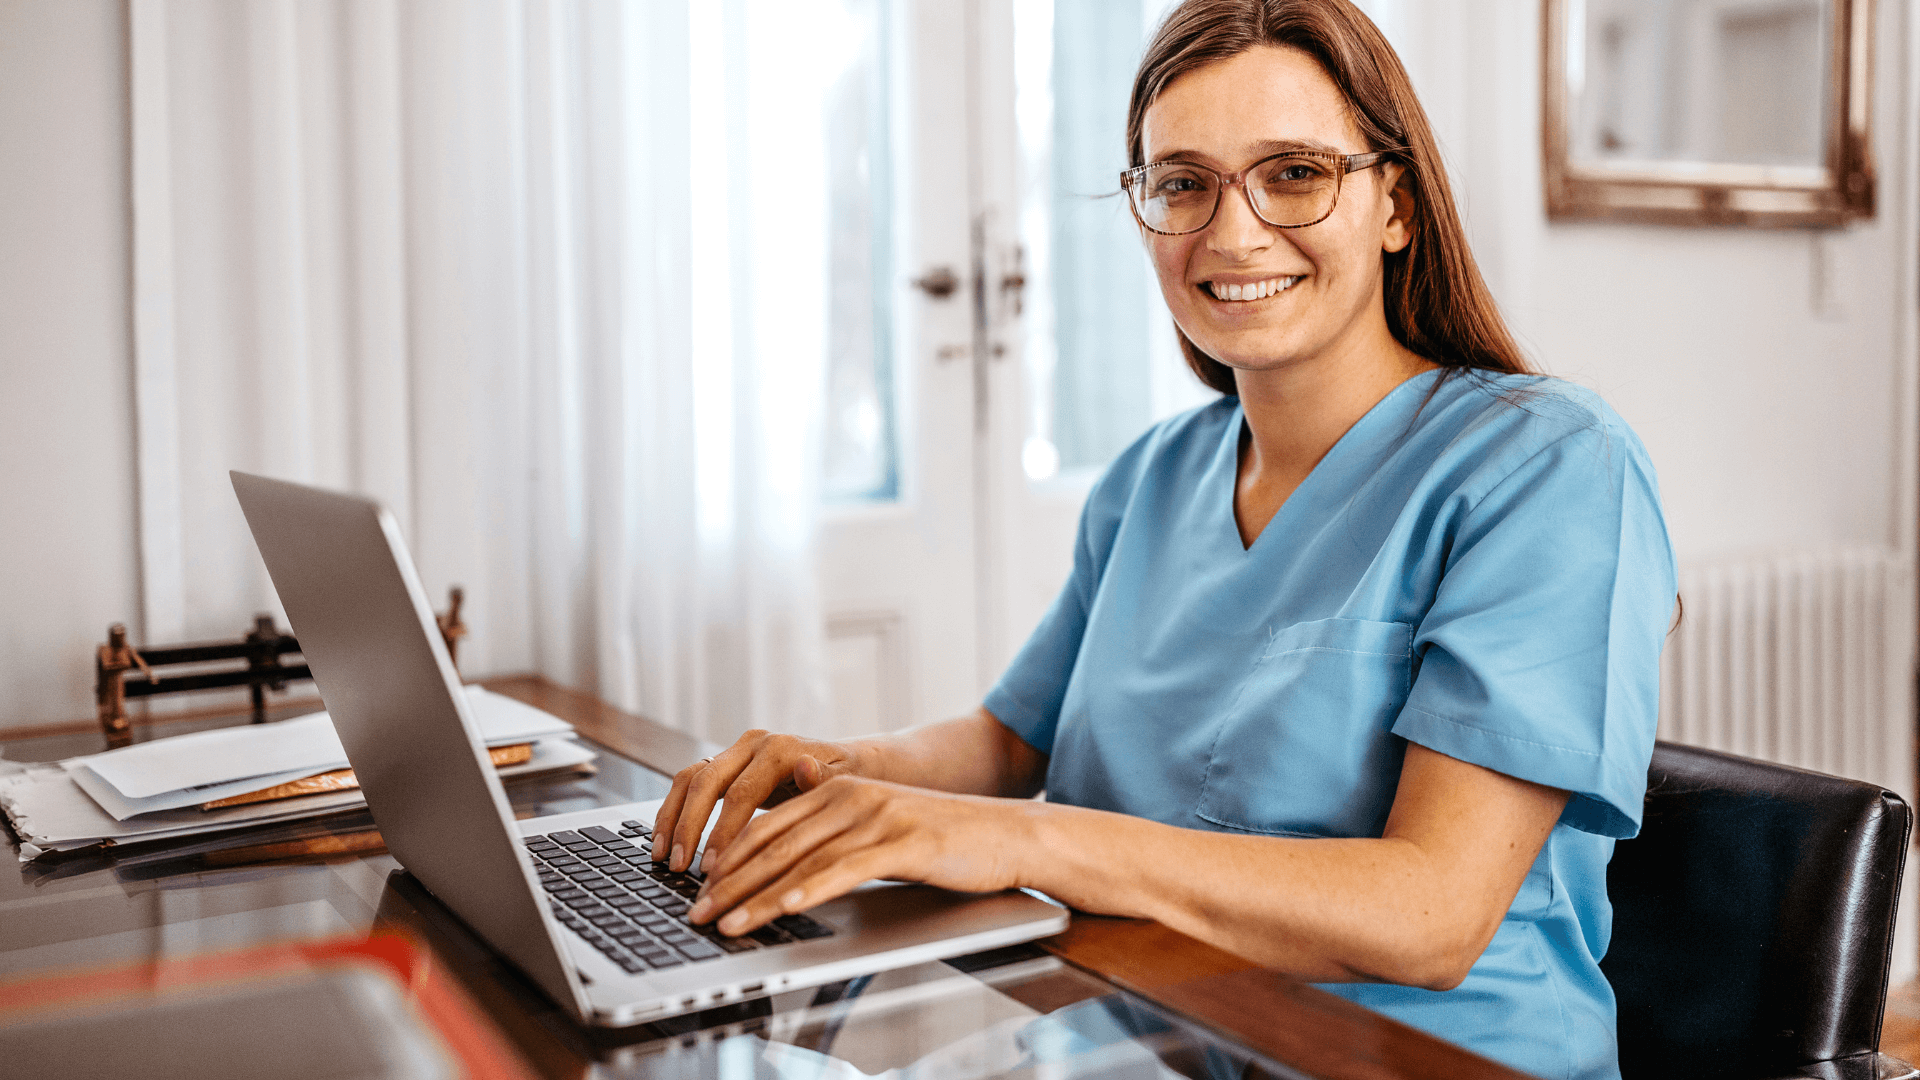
x=1356 y=673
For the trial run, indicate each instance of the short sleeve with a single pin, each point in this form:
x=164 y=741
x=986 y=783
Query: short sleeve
x=1028 y=697
x=1540 y=656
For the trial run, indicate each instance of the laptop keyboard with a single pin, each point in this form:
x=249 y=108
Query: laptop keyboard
x=605 y=887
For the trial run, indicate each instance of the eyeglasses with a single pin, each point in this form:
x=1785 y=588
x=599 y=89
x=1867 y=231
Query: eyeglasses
x=1287 y=191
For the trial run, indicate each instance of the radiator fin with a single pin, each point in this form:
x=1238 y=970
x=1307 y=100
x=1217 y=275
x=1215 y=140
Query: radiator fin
x=1803 y=659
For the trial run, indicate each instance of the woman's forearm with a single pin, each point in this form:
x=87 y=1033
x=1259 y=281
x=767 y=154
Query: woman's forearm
x=1326 y=910
x=1416 y=906
x=970 y=755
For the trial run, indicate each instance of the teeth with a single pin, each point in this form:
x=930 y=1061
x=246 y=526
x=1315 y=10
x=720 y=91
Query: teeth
x=1256 y=291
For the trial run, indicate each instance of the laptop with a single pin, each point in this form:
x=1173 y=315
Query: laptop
x=572 y=900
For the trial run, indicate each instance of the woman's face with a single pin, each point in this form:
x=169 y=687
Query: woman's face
x=1324 y=280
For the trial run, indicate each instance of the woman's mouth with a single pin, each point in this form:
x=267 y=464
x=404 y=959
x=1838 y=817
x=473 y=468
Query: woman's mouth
x=1254 y=290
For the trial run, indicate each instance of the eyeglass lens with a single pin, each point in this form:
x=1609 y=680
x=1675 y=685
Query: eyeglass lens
x=1177 y=197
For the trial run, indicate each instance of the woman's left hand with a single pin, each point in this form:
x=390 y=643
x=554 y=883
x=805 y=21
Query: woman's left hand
x=850 y=830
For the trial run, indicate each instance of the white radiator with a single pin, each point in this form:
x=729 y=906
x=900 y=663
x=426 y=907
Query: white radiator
x=1803 y=659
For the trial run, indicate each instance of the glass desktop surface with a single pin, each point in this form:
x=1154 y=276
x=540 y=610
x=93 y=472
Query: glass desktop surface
x=1013 y=1012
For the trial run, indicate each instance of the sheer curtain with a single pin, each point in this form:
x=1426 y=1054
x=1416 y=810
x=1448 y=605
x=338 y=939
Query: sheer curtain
x=545 y=275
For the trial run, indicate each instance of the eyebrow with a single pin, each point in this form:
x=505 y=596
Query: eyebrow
x=1265 y=148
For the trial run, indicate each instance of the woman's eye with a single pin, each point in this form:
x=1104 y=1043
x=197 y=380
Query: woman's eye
x=1179 y=184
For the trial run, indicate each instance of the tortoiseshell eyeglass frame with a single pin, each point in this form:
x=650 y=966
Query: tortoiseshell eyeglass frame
x=1342 y=165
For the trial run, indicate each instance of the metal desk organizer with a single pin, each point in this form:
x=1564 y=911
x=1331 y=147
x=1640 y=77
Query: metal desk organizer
x=266 y=652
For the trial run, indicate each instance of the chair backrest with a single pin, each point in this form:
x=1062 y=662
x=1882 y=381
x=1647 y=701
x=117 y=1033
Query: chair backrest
x=1753 y=918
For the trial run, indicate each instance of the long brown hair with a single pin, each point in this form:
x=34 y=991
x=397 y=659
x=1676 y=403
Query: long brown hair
x=1437 y=304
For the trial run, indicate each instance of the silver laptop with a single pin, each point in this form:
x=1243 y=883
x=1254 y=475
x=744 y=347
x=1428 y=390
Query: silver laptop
x=571 y=899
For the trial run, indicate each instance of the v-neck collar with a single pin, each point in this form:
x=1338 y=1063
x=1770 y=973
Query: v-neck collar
x=1225 y=470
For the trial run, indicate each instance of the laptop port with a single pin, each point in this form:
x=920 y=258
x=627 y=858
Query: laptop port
x=752 y=988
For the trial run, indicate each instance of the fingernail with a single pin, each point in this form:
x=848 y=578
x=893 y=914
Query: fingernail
x=653 y=850
x=701 y=909
x=676 y=861
x=735 y=922
x=792 y=900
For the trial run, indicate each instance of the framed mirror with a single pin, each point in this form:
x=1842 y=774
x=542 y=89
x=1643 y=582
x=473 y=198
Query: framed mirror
x=1708 y=112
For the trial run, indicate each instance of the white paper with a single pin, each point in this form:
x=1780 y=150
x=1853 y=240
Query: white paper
x=51 y=812
x=123 y=808
x=291 y=749
x=204 y=758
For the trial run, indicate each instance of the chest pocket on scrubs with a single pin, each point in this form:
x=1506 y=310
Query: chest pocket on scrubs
x=1305 y=749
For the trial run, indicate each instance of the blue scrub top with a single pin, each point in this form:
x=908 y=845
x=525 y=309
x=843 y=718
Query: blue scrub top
x=1480 y=565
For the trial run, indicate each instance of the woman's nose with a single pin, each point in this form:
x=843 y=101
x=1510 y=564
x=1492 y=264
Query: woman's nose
x=1236 y=230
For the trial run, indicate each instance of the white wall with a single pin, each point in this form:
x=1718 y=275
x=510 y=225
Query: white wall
x=66 y=419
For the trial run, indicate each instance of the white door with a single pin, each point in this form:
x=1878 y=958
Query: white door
x=898 y=550
x=1018 y=343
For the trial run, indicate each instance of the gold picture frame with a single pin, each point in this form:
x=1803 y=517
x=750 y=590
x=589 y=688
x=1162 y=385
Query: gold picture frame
x=1831 y=192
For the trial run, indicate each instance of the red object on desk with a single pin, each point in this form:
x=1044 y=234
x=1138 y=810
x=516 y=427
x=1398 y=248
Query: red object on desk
x=462 y=1028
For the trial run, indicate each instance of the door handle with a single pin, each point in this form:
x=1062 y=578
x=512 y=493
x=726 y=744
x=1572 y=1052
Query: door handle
x=939 y=283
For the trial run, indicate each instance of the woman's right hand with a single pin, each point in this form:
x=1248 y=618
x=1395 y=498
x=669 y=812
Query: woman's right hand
x=760 y=769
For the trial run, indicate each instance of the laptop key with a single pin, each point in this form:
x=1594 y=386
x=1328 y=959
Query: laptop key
x=598 y=834
x=698 y=950
x=802 y=927
x=631 y=832
x=672 y=907
x=635 y=825
x=569 y=838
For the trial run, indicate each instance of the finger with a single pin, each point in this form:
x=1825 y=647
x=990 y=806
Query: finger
x=810 y=772
x=708 y=785
x=725 y=888
x=833 y=870
x=751 y=789
x=774 y=824
x=669 y=812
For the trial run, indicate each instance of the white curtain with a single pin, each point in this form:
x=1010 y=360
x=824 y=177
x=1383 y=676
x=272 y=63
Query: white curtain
x=545 y=275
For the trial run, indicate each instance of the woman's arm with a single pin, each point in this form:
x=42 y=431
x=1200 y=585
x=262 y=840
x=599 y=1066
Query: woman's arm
x=1416 y=906
x=972 y=755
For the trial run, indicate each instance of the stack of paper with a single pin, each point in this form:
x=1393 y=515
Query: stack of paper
x=155 y=790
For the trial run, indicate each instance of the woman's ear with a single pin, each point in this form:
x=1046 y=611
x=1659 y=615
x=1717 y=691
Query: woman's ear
x=1399 y=231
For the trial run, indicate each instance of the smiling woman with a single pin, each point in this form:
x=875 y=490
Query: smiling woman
x=1356 y=672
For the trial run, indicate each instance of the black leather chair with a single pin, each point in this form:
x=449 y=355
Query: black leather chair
x=1753 y=921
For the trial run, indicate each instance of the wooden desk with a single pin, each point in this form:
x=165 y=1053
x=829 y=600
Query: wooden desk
x=1187 y=999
